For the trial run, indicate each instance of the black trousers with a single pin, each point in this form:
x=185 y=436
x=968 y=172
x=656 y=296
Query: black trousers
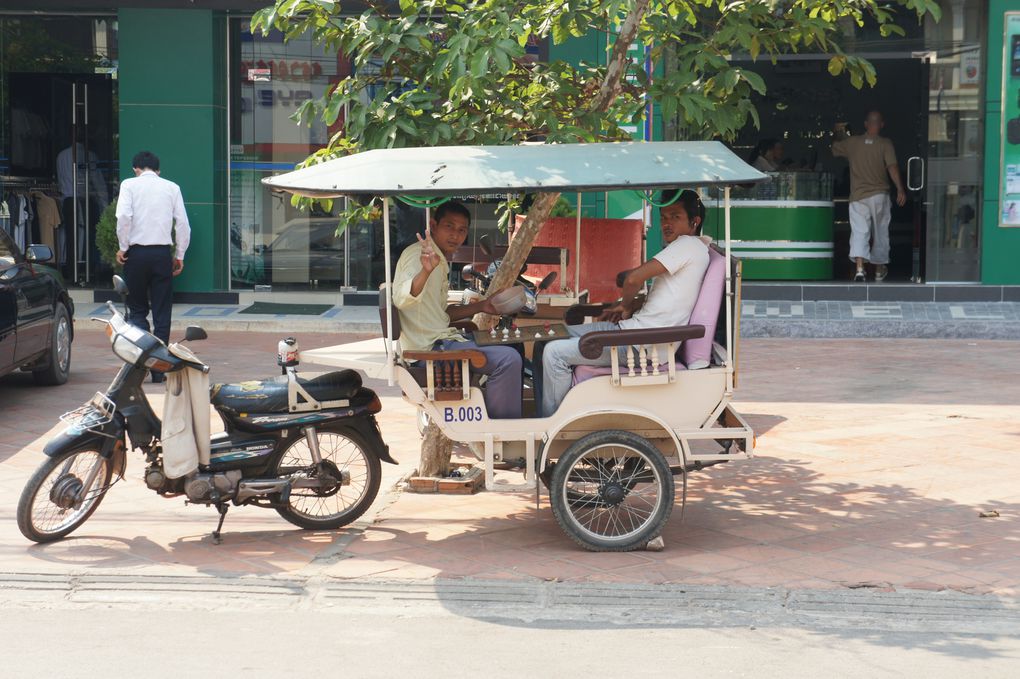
x=149 y=276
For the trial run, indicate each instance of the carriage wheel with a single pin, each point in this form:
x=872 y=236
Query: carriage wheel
x=612 y=491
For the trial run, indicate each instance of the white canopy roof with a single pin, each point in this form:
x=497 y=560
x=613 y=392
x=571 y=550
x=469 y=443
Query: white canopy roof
x=468 y=170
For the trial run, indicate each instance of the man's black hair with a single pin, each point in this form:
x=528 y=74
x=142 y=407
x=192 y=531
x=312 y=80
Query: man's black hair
x=146 y=160
x=690 y=201
x=454 y=207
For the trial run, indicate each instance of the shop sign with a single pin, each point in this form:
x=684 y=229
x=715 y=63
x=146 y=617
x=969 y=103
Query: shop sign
x=1009 y=140
x=260 y=75
x=970 y=68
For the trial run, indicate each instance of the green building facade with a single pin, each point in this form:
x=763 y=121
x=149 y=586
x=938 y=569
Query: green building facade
x=189 y=82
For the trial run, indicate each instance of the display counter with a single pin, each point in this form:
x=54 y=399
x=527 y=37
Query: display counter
x=782 y=228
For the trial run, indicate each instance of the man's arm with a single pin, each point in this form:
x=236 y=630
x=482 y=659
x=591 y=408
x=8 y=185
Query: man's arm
x=458 y=311
x=631 y=287
x=412 y=274
x=182 y=231
x=894 y=173
x=124 y=222
x=839 y=137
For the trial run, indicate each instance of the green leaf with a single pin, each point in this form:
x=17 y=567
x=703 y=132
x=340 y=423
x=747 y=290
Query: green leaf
x=836 y=65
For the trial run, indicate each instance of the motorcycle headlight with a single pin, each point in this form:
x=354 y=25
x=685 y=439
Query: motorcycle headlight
x=126 y=350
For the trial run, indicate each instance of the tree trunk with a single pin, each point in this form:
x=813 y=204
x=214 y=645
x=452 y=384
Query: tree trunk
x=435 y=452
x=518 y=251
x=435 y=447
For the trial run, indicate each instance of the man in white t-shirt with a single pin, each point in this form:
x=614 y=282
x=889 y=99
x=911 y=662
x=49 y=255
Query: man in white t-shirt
x=678 y=270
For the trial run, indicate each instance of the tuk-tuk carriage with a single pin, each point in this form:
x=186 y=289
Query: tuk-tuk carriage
x=610 y=453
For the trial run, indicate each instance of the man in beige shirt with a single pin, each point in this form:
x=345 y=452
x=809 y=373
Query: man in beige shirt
x=420 y=285
x=872 y=163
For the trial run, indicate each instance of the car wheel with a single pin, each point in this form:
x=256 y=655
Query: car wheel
x=58 y=360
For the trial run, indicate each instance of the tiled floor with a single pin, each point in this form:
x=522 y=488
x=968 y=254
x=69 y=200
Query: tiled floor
x=875 y=458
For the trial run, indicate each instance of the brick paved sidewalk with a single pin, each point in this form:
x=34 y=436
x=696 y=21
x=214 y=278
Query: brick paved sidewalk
x=875 y=458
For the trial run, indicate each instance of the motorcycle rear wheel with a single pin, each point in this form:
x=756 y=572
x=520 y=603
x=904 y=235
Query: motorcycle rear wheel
x=55 y=501
x=317 y=510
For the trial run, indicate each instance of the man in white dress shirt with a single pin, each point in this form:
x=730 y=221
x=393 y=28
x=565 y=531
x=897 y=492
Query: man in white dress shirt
x=150 y=212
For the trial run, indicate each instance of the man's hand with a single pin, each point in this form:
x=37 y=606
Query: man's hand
x=901 y=198
x=614 y=314
x=121 y=257
x=178 y=266
x=429 y=258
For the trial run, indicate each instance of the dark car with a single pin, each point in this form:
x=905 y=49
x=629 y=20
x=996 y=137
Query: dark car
x=36 y=326
x=306 y=250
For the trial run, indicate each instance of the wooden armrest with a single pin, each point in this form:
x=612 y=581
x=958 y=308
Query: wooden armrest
x=574 y=315
x=594 y=343
x=464 y=325
x=474 y=357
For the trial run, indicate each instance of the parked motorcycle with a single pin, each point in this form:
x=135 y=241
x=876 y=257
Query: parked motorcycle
x=308 y=448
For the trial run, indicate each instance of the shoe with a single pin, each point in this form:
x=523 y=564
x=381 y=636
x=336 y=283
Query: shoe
x=881 y=271
x=859 y=277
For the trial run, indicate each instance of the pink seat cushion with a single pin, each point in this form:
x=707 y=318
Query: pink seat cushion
x=697 y=353
x=586 y=372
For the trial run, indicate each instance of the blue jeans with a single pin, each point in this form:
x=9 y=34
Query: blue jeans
x=503 y=365
x=559 y=358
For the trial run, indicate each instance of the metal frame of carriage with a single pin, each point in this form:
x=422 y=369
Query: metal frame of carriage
x=648 y=402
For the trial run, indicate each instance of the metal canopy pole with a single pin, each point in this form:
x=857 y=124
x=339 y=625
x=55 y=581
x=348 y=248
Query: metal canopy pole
x=577 y=250
x=729 y=295
x=389 y=290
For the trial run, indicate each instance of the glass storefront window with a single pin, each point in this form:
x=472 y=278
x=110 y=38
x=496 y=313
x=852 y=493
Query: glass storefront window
x=59 y=132
x=271 y=242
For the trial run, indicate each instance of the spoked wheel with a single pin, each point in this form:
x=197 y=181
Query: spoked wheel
x=612 y=491
x=351 y=473
x=422 y=421
x=62 y=494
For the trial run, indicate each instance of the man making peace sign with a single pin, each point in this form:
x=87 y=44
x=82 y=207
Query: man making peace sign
x=420 y=287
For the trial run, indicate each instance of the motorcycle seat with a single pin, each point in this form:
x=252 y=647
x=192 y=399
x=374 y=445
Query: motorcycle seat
x=270 y=395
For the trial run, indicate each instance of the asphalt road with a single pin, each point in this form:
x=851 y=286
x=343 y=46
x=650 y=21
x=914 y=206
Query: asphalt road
x=155 y=643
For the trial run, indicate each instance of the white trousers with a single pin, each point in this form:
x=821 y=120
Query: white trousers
x=869 y=218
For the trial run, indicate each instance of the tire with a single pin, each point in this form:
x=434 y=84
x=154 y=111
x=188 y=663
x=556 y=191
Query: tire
x=349 y=451
x=422 y=420
x=612 y=491
x=58 y=359
x=42 y=516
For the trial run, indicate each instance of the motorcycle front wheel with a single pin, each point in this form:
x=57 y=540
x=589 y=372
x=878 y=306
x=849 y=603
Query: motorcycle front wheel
x=342 y=450
x=62 y=494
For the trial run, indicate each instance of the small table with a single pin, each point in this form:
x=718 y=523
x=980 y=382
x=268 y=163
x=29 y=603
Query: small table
x=529 y=333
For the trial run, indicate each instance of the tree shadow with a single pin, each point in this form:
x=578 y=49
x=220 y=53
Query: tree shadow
x=768 y=525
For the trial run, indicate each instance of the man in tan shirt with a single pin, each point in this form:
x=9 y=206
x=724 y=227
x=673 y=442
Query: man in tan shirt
x=872 y=163
x=420 y=285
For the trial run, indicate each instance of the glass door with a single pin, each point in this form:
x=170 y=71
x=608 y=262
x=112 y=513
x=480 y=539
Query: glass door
x=947 y=176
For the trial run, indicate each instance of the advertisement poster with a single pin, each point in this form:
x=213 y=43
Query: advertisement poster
x=1009 y=191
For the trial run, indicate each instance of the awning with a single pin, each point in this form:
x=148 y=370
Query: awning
x=471 y=170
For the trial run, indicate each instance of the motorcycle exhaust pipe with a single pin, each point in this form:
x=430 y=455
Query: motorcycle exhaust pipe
x=258 y=487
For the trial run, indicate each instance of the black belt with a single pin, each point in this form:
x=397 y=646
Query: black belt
x=168 y=245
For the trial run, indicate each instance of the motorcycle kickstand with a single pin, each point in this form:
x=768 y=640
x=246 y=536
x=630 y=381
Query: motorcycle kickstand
x=222 y=508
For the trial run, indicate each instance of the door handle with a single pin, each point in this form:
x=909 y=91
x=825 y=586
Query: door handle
x=912 y=162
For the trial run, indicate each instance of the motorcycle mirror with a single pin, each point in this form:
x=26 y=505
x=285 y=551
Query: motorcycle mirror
x=119 y=286
x=468 y=273
x=547 y=281
x=193 y=333
x=486 y=246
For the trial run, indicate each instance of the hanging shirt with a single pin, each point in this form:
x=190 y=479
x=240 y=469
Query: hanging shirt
x=66 y=176
x=150 y=210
